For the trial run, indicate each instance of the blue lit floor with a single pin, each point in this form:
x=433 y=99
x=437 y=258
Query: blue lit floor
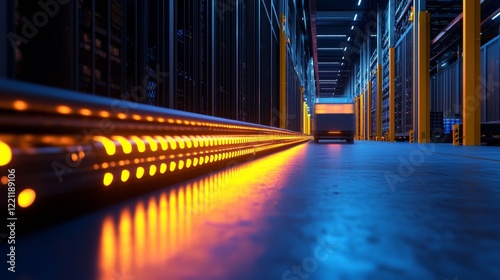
x=317 y=211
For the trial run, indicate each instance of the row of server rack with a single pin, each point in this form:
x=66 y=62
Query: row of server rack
x=445 y=80
x=213 y=57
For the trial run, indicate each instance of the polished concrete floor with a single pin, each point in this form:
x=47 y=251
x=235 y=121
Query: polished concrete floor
x=371 y=210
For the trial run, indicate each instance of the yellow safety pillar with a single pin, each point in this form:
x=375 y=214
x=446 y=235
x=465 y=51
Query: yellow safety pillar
x=356 y=115
x=369 y=111
x=303 y=110
x=282 y=76
x=362 y=117
x=378 y=110
x=471 y=112
x=424 y=102
x=392 y=94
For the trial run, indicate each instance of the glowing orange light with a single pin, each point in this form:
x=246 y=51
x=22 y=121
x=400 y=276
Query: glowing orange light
x=163 y=142
x=5 y=180
x=108 y=179
x=105 y=165
x=139 y=173
x=126 y=146
x=109 y=145
x=149 y=119
x=136 y=117
x=104 y=114
x=334 y=132
x=26 y=198
x=152 y=143
x=180 y=142
x=171 y=141
x=85 y=112
x=141 y=147
x=125 y=175
x=122 y=116
x=334 y=108
x=20 y=105
x=162 y=120
x=152 y=170
x=63 y=110
x=5 y=154
x=163 y=168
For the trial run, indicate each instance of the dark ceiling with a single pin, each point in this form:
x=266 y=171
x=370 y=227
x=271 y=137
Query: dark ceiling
x=337 y=25
x=339 y=22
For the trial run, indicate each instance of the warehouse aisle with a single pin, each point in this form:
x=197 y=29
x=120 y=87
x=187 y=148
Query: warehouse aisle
x=372 y=210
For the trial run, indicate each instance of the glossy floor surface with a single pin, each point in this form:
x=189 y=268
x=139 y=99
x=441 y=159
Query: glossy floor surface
x=371 y=210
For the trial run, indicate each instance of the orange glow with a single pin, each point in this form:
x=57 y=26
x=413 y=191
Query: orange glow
x=334 y=132
x=152 y=170
x=109 y=145
x=139 y=173
x=63 y=110
x=163 y=142
x=5 y=154
x=163 y=168
x=190 y=222
x=108 y=179
x=20 y=105
x=126 y=145
x=122 y=116
x=150 y=119
x=171 y=141
x=334 y=108
x=104 y=114
x=108 y=249
x=125 y=175
x=180 y=142
x=105 y=165
x=152 y=143
x=141 y=147
x=26 y=198
x=140 y=235
x=85 y=112
x=162 y=120
x=5 y=180
x=125 y=239
x=136 y=117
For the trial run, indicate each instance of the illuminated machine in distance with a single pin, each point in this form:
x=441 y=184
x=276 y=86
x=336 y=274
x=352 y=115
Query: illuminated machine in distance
x=334 y=121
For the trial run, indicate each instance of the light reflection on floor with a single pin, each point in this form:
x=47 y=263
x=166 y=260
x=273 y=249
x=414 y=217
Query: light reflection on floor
x=187 y=224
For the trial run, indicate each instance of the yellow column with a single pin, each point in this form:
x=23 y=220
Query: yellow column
x=362 y=117
x=356 y=110
x=369 y=111
x=471 y=112
x=378 y=110
x=282 y=85
x=424 y=102
x=392 y=94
